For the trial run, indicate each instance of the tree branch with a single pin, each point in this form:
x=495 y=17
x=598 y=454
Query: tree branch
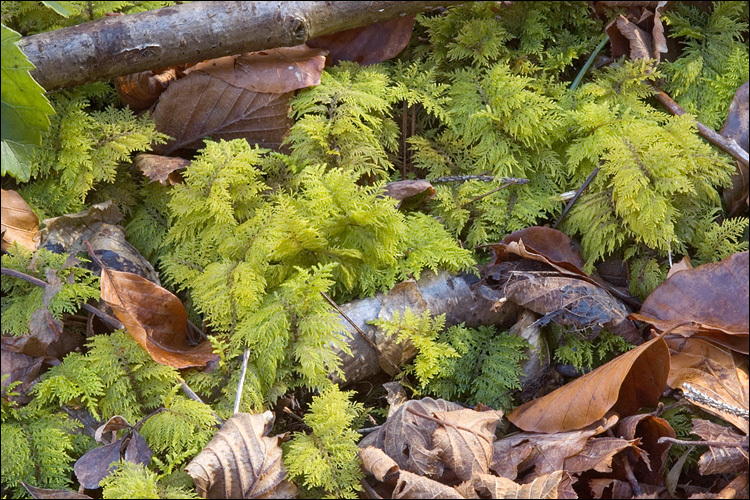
x=121 y=45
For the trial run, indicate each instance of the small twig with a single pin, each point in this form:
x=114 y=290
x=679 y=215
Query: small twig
x=362 y=333
x=238 y=397
x=715 y=444
x=369 y=430
x=694 y=395
x=192 y=395
x=112 y=321
x=294 y=415
x=636 y=487
x=508 y=182
x=718 y=140
x=575 y=198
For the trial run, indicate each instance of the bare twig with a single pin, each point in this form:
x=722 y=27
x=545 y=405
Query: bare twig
x=238 y=397
x=715 y=444
x=575 y=198
x=507 y=182
x=112 y=321
x=718 y=140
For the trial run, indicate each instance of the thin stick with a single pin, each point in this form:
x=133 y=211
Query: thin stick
x=238 y=397
x=112 y=321
x=508 y=182
x=718 y=140
x=716 y=444
x=364 y=335
x=574 y=198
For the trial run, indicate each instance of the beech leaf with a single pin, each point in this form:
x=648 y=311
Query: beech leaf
x=163 y=169
x=713 y=296
x=544 y=486
x=241 y=461
x=155 y=318
x=634 y=379
x=19 y=222
x=369 y=44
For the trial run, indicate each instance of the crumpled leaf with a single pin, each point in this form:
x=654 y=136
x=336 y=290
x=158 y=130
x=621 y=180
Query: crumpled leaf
x=712 y=369
x=116 y=423
x=155 y=318
x=714 y=297
x=542 y=244
x=544 y=453
x=631 y=36
x=544 y=486
x=465 y=439
x=94 y=465
x=720 y=459
x=245 y=96
x=411 y=485
x=19 y=367
x=241 y=461
x=163 y=169
x=401 y=190
x=634 y=379
x=407 y=438
x=17 y=221
x=369 y=44
x=736 y=127
x=648 y=428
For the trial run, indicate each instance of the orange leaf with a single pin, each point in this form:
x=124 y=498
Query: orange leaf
x=628 y=382
x=154 y=317
x=19 y=222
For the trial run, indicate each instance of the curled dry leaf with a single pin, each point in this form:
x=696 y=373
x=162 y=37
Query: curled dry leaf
x=542 y=244
x=141 y=90
x=401 y=190
x=713 y=296
x=116 y=423
x=411 y=485
x=634 y=379
x=542 y=453
x=241 y=461
x=19 y=223
x=155 y=318
x=163 y=169
x=369 y=44
x=377 y=463
x=19 y=367
x=648 y=428
x=629 y=35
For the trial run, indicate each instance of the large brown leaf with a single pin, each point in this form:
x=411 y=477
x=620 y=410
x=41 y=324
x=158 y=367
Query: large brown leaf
x=713 y=296
x=155 y=318
x=628 y=382
x=489 y=486
x=19 y=222
x=721 y=459
x=648 y=428
x=241 y=461
x=369 y=44
x=245 y=96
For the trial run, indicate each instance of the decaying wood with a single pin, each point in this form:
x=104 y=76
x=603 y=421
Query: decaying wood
x=120 y=45
x=441 y=293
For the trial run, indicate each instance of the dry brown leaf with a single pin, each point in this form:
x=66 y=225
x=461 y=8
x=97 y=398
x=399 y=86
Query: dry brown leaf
x=683 y=265
x=630 y=35
x=407 y=438
x=273 y=71
x=736 y=127
x=19 y=367
x=163 y=169
x=542 y=244
x=245 y=96
x=598 y=453
x=114 y=424
x=155 y=318
x=712 y=369
x=58 y=494
x=544 y=486
x=718 y=459
x=377 y=463
x=465 y=440
x=241 y=461
x=401 y=190
x=18 y=222
x=369 y=44
x=95 y=464
x=410 y=485
x=648 y=428
x=542 y=453
x=628 y=382
x=713 y=296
